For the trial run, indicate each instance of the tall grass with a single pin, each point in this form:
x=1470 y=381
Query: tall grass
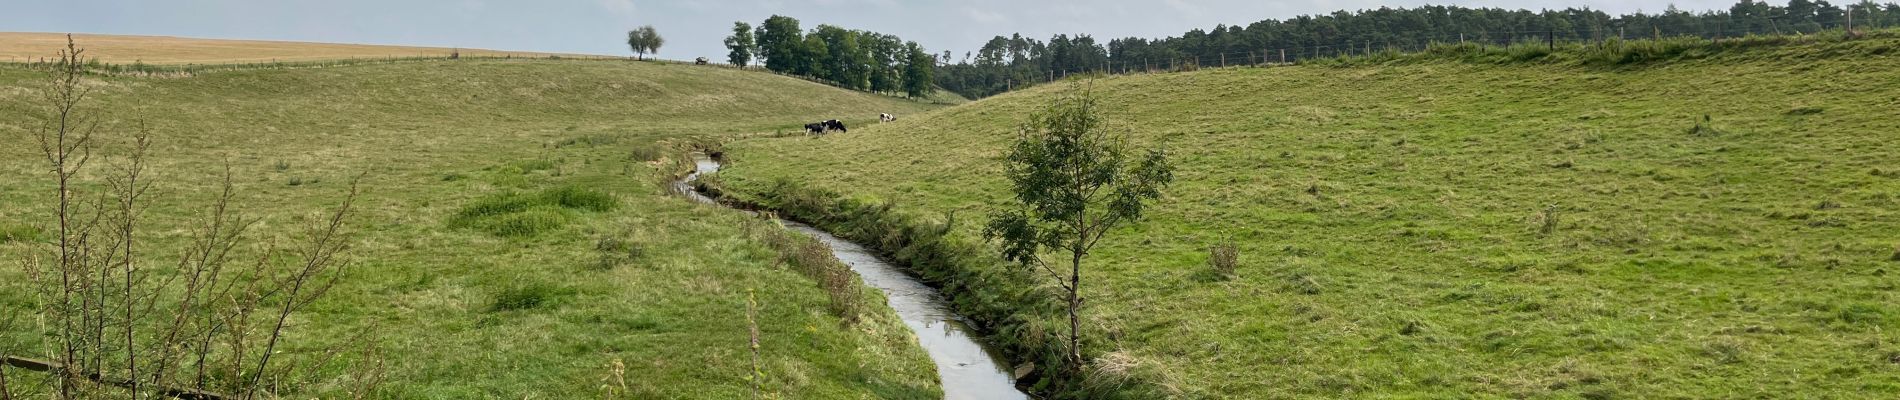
x=530 y=214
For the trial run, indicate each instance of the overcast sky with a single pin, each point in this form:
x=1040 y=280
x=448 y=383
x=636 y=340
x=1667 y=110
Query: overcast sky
x=692 y=28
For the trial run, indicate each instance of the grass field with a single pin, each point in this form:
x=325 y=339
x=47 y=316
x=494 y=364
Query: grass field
x=469 y=280
x=127 y=49
x=1727 y=227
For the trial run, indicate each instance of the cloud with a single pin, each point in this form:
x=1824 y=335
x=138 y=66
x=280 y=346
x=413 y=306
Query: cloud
x=622 y=8
x=984 y=17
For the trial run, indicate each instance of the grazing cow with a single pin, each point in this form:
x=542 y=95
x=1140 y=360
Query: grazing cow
x=886 y=118
x=816 y=128
x=700 y=61
x=835 y=125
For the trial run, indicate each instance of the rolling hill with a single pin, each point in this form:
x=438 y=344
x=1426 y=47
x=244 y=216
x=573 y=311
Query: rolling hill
x=1719 y=226
x=465 y=277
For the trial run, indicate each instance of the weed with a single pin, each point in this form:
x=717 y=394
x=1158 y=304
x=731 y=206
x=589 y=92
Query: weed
x=1705 y=127
x=295 y=181
x=616 y=251
x=532 y=166
x=528 y=296
x=1547 y=220
x=453 y=176
x=281 y=166
x=1724 y=350
x=646 y=153
x=1224 y=258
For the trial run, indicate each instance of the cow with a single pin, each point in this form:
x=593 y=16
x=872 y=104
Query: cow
x=835 y=125
x=886 y=118
x=816 y=128
x=700 y=61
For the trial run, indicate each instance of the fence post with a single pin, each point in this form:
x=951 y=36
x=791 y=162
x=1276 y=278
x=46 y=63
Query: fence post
x=1552 y=37
x=1283 y=56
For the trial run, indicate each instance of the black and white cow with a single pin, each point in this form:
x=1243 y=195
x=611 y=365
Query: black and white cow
x=886 y=118
x=834 y=125
x=815 y=128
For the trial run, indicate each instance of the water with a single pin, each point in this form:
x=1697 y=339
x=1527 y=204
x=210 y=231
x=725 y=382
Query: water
x=968 y=369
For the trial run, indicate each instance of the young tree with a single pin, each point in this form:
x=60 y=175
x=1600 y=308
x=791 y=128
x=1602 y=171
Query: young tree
x=741 y=44
x=1072 y=184
x=645 y=40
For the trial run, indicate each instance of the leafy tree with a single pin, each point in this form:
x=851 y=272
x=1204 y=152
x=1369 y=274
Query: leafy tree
x=1072 y=184
x=741 y=44
x=917 y=71
x=645 y=40
x=781 y=44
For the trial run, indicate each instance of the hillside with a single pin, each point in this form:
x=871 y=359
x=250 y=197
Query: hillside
x=126 y=49
x=635 y=292
x=1726 y=227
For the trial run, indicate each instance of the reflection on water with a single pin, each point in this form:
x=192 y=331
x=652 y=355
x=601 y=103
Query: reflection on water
x=969 y=370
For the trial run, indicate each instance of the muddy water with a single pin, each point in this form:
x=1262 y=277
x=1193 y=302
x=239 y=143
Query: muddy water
x=969 y=370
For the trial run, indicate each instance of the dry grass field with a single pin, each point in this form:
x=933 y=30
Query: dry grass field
x=125 y=49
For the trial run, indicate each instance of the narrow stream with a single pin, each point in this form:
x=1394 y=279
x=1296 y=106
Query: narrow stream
x=968 y=369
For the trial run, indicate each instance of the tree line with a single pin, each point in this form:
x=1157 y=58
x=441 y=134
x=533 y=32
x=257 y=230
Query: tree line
x=1007 y=62
x=853 y=59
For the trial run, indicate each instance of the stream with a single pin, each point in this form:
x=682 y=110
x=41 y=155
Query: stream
x=968 y=369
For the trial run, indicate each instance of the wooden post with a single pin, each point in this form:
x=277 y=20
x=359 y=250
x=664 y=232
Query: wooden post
x=1552 y=37
x=1223 y=60
x=1283 y=56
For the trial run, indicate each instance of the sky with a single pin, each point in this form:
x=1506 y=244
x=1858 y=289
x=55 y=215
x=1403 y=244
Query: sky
x=692 y=28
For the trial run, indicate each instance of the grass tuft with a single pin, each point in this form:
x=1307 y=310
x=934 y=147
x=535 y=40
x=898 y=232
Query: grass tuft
x=529 y=296
x=1224 y=259
x=530 y=214
x=21 y=233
